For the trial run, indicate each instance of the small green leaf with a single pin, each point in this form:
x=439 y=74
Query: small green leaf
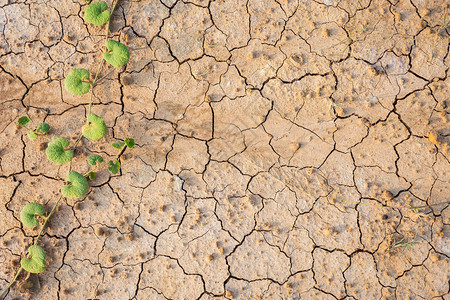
x=23 y=121
x=43 y=127
x=94 y=158
x=97 y=13
x=31 y=135
x=56 y=153
x=130 y=142
x=92 y=175
x=117 y=55
x=118 y=145
x=114 y=166
x=96 y=128
x=35 y=264
x=78 y=186
x=74 y=82
x=29 y=211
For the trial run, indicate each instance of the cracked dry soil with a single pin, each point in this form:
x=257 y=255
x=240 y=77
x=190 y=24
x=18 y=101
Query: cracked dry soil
x=280 y=147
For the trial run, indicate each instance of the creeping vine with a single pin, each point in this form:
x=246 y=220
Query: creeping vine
x=59 y=151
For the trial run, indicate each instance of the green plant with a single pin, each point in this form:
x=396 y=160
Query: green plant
x=445 y=22
x=403 y=243
x=59 y=150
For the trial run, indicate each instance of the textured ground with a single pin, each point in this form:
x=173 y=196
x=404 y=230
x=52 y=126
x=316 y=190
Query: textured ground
x=280 y=146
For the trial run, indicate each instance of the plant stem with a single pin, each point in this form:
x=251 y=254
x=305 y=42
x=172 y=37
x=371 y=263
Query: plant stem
x=46 y=220
x=99 y=166
x=121 y=151
x=12 y=282
x=101 y=63
x=75 y=146
x=98 y=81
x=109 y=22
x=92 y=87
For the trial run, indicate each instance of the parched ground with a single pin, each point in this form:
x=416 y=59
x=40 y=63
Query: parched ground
x=280 y=147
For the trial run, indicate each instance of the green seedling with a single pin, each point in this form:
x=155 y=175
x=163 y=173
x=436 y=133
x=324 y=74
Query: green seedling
x=114 y=166
x=78 y=186
x=28 y=213
x=35 y=264
x=130 y=143
x=118 y=145
x=23 y=121
x=31 y=135
x=95 y=129
x=445 y=22
x=77 y=82
x=117 y=54
x=403 y=243
x=57 y=153
x=94 y=159
x=41 y=129
x=97 y=13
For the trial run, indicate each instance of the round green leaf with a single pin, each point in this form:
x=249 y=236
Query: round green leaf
x=56 y=153
x=97 y=13
x=118 y=145
x=117 y=55
x=114 y=167
x=93 y=159
x=74 y=82
x=43 y=127
x=96 y=128
x=78 y=186
x=29 y=211
x=23 y=121
x=35 y=264
x=130 y=142
x=31 y=135
x=92 y=175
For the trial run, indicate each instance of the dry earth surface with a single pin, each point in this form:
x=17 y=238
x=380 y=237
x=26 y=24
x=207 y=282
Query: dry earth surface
x=280 y=147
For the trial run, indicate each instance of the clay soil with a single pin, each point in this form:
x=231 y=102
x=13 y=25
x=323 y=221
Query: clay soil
x=286 y=149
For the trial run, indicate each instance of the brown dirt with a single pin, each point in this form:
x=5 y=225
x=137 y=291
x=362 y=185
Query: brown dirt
x=280 y=147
